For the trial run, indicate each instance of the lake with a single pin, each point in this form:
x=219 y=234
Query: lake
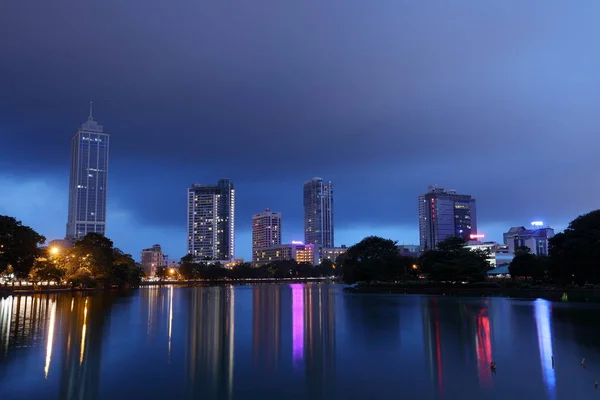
x=294 y=342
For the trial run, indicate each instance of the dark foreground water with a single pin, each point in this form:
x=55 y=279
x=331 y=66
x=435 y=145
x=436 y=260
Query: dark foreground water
x=294 y=342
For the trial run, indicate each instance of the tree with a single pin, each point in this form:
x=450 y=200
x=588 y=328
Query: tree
x=98 y=254
x=125 y=271
x=575 y=253
x=373 y=258
x=452 y=261
x=526 y=265
x=18 y=246
x=47 y=271
x=326 y=268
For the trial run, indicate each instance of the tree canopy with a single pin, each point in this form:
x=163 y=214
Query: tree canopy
x=374 y=259
x=18 y=246
x=452 y=261
x=575 y=253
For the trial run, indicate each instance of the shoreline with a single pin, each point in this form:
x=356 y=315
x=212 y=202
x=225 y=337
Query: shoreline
x=18 y=290
x=550 y=293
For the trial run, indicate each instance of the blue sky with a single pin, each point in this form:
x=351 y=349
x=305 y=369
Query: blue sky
x=494 y=99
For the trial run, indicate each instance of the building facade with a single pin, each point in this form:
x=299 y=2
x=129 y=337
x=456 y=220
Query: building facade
x=443 y=214
x=211 y=221
x=299 y=252
x=318 y=213
x=331 y=253
x=152 y=258
x=536 y=239
x=88 y=180
x=266 y=231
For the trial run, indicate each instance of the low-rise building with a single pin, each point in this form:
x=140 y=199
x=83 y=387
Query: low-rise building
x=499 y=254
x=152 y=258
x=294 y=251
x=331 y=253
x=536 y=239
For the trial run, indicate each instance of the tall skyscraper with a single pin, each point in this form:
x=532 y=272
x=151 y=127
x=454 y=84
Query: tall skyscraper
x=318 y=213
x=444 y=213
x=266 y=231
x=211 y=221
x=87 y=186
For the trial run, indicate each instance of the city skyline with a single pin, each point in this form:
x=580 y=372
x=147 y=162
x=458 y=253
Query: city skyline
x=378 y=103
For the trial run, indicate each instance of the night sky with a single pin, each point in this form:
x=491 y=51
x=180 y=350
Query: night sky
x=498 y=99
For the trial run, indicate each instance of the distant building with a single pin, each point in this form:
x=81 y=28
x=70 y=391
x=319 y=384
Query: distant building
x=88 y=181
x=211 y=221
x=266 y=231
x=499 y=254
x=170 y=263
x=298 y=252
x=331 y=253
x=536 y=239
x=409 y=250
x=318 y=213
x=443 y=214
x=152 y=258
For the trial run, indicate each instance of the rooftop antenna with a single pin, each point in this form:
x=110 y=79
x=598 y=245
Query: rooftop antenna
x=90 y=117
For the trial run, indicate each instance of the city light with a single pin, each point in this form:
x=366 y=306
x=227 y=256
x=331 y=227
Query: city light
x=296 y=242
x=54 y=250
x=172 y=271
x=537 y=223
x=477 y=236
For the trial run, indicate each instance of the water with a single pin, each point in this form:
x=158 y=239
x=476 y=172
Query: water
x=294 y=342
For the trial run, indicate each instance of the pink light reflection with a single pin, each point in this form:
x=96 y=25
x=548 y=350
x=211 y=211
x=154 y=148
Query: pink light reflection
x=297 y=323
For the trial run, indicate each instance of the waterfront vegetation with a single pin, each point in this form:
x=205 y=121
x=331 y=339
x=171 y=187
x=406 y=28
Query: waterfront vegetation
x=92 y=261
x=573 y=263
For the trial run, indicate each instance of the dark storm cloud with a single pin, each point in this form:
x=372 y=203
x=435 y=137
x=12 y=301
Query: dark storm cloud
x=383 y=98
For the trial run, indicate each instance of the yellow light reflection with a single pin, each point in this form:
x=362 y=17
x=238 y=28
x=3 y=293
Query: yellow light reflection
x=83 y=332
x=170 y=317
x=50 y=343
x=72 y=303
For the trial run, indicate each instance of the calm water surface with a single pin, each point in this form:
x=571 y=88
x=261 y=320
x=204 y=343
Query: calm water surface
x=294 y=342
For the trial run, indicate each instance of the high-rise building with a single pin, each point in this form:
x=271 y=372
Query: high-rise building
x=152 y=258
x=266 y=231
x=88 y=181
x=211 y=221
x=444 y=213
x=318 y=213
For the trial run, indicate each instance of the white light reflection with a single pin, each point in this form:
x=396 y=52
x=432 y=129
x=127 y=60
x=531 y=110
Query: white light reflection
x=544 y=331
x=231 y=338
x=6 y=306
x=50 y=339
x=83 y=332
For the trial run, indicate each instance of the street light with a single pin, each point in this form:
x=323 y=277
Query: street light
x=172 y=271
x=54 y=250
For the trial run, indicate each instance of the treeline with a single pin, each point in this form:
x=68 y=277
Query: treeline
x=207 y=270
x=378 y=259
x=92 y=261
x=574 y=255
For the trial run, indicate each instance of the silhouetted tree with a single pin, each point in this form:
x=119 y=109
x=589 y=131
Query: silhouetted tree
x=452 y=261
x=18 y=246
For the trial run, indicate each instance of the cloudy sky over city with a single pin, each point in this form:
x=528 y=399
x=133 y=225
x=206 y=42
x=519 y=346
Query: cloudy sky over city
x=495 y=99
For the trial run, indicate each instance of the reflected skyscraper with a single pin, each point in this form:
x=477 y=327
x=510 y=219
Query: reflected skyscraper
x=266 y=326
x=88 y=180
x=210 y=343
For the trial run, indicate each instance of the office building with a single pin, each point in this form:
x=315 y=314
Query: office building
x=444 y=213
x=88 y=180
x=499 y=255
x=211 y=221
x=152 y=258
x=318 y=213
x=537 y=238
x=266 y=231
x=331 y=253
x=295 y=251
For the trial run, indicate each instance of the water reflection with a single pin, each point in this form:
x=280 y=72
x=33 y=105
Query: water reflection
x=292 y=342
x=210 y=347
x=544 y=335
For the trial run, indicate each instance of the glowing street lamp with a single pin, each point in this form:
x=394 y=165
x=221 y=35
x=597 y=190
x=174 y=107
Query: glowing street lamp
x=172 y=271
x=54 y=250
